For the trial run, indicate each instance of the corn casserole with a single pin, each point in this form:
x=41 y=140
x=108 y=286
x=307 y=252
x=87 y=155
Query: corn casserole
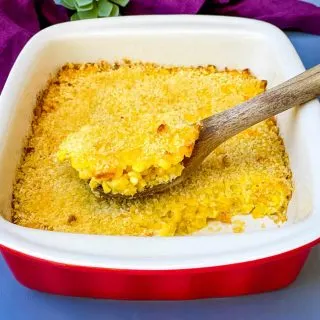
x=248 y=174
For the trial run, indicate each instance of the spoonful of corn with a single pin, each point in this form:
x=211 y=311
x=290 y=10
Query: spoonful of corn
x=119 y=163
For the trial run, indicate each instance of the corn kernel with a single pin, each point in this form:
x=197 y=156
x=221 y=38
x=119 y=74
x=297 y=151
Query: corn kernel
x=134 y=180
x=105 y=186
x=138 y=167
x=164 y=164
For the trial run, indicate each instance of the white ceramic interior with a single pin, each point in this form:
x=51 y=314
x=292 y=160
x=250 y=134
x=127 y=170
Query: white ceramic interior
x=180 y=40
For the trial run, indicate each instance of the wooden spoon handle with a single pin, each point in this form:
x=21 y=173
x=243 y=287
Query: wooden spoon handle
x=296 y=91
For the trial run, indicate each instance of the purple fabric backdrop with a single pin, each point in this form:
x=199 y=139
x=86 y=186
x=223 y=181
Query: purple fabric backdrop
x=20 y=19
x=136 y=7
x=286 y=14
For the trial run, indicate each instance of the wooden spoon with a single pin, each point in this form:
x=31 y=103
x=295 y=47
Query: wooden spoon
x=218 y=128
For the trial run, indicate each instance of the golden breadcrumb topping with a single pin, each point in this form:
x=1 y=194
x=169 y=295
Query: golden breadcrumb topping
x=248 y=174
x=127 y=155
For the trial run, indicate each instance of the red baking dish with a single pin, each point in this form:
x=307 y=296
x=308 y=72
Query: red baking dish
x=196 y=266
x=229 y=280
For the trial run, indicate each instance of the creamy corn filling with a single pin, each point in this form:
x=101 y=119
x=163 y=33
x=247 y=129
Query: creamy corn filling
x=129 y=154
x=248 y=174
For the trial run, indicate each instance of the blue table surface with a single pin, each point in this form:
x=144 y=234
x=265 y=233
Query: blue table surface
x=299 y=301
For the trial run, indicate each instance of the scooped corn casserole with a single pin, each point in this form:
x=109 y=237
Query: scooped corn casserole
x=125 y=157
x=248 y=174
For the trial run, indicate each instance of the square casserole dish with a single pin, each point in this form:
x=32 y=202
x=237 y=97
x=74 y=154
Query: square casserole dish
x=188 y=267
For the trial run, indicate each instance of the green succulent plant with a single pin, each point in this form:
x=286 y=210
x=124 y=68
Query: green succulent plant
x=88 y=9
